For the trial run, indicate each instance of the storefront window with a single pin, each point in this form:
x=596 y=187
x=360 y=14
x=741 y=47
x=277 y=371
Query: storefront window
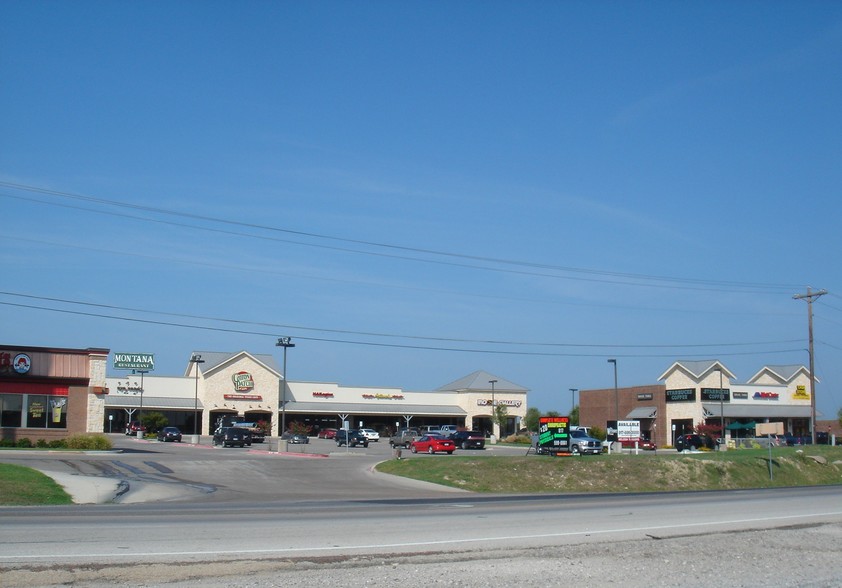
x=42 y=412
x=36 y=412
x=11 y=410
x=57 y=417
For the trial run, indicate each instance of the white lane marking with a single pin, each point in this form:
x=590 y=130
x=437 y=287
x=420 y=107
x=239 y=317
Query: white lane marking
x=381 y=546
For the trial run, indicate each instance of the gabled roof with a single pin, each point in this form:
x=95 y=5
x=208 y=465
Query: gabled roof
x=216 y=359
x=481 y=380
x=782 y=373
x=697 y=369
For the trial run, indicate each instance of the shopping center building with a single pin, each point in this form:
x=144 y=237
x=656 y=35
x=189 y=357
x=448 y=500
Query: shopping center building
x=50 y=393
x=705 y=392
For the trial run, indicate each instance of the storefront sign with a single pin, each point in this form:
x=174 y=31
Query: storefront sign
x=243 y=382
x=801 y=393
x=20 y=363
x=322 y=394
x=499 y=402
x=740 y=395
x=717 y=394
x=242 y=397
x=681 y=395
x=645 y=396
x=383 y=396
x=766 y=396
x=134 y=361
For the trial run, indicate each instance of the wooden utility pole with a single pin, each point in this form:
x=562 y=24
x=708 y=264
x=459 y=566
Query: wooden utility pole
x=809 y=297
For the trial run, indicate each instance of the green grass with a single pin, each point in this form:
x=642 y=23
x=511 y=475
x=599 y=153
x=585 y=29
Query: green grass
x=22 y=486
x=745 y=468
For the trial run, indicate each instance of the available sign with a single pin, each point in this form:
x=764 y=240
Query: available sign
x=134 y=361
x=628 y=430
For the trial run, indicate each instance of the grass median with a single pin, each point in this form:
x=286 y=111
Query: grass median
x=646 y=472
x=23 y=486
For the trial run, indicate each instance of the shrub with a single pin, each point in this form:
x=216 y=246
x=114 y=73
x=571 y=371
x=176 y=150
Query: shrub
x=41 y=444
x=95 y=441
x=57 y=444
x=7 y=443
x=24 y=443
x=519 y=439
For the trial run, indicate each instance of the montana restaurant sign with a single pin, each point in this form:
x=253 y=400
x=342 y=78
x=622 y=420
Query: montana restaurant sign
x=134 y=361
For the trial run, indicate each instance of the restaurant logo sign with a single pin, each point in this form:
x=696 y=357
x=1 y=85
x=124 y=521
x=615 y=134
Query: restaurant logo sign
x=134 y=361
x=381 y=396
x=243 y=382
x=21 y=363
x=766 y=396
x=801 y=393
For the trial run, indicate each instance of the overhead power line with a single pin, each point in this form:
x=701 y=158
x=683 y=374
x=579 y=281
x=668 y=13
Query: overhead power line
x=285 y=327
x=699 y=283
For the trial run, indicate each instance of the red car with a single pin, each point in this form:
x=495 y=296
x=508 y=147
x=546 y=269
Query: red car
x=327 y=434
x=641 y=444
x=432 y=444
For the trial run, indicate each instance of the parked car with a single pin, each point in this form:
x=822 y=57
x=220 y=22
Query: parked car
x=693 y=442
x=641 y=444
x=468 y=439
x=448 y=430
x=298 y=439
x=169 y=434
x=370 y=434
x=327 y=434
x=350 y=438
x=404 y=438
x=432 y=444
x=133 y=427
x=231 y=436
x=581 y=443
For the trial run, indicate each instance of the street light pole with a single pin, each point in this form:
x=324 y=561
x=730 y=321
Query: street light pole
x=196 y=360
x=616 y=394
x=493 y=409
x=286 y=343
x=573 y=399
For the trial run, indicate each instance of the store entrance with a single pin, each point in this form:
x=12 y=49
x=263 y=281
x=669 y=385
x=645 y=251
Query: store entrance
x=680 y=427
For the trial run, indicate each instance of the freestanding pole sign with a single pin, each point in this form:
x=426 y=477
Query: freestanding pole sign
x=141 y=363
x=134 y=361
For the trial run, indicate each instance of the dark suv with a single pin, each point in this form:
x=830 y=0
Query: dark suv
x=231 y=436
x=693 y=441
x=350 y=438
x=468 y=439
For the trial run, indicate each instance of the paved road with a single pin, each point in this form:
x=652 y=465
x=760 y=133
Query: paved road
x=270 y=513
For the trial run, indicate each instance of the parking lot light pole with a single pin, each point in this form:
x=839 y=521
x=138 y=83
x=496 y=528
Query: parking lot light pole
x=573 y=399
x=286 y=343
x=196 y=360
x=493 y=407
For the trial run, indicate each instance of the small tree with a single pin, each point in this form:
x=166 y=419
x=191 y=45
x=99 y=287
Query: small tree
x=839 y=416
x=154 y=421
x=531 y=418
x=574 y=415
x=297 y=428
x=500 y=417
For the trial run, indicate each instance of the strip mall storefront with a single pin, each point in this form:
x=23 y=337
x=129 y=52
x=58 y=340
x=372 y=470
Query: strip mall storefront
x=218 y=384
x=703 y=392
x=50 y=393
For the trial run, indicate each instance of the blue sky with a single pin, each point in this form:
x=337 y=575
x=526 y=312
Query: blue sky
x=417 y=190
